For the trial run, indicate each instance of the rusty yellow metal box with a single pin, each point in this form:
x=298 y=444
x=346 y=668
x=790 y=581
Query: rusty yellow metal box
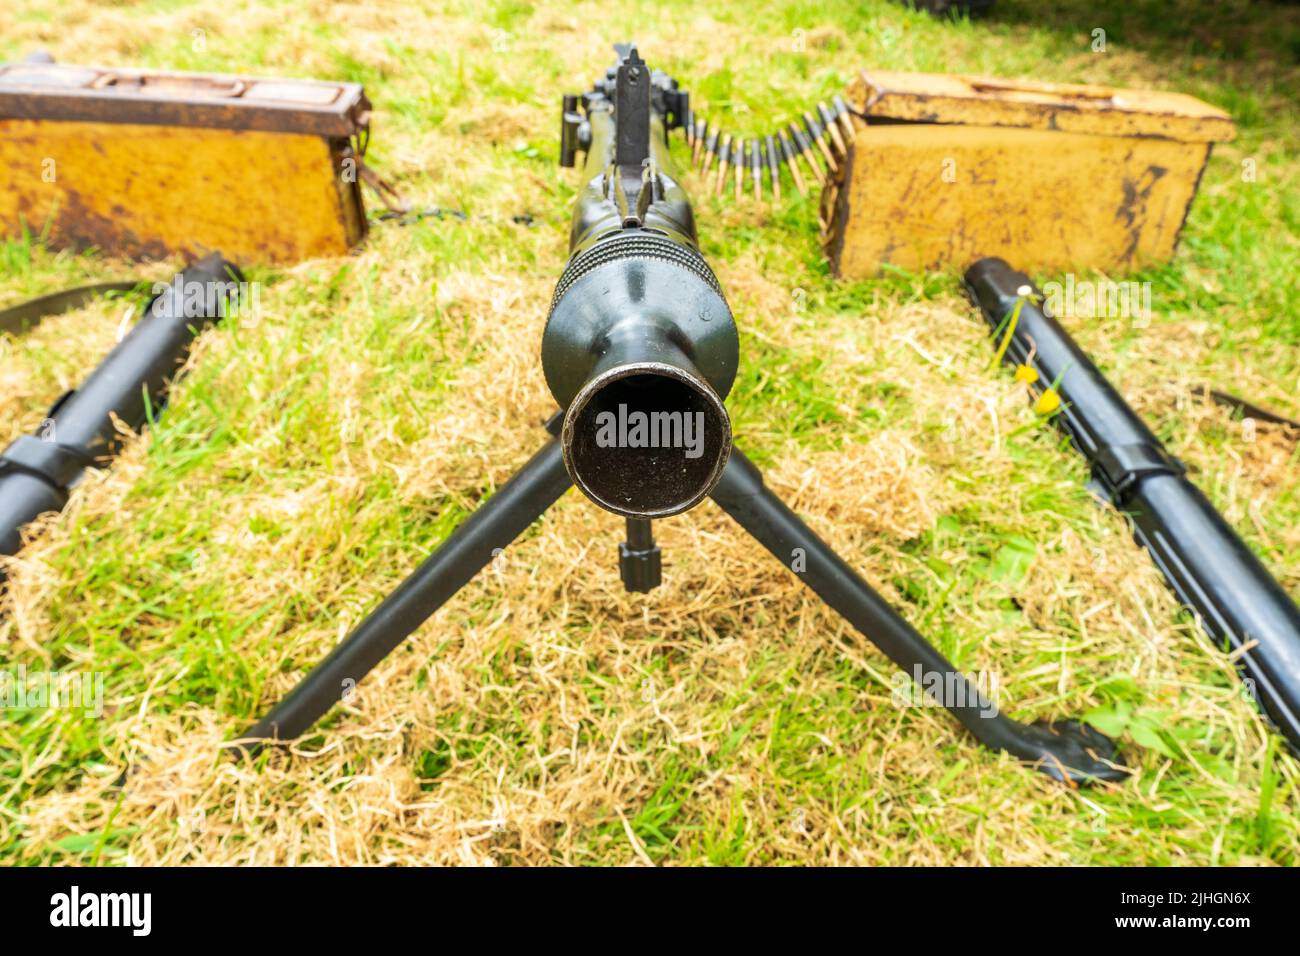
x=945 y=169
x=150 y=164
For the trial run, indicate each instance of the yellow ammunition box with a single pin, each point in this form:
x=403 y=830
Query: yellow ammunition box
x=946 y=169
x=153 y=164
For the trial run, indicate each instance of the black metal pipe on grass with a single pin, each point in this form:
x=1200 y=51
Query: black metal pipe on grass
x=1240 y=605
x=129 y=385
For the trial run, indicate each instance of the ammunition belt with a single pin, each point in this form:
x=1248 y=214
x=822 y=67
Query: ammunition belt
x=827 y=134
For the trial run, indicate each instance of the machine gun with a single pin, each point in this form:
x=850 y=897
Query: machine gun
x=639 y=351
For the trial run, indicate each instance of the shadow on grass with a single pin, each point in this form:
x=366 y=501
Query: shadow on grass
x=1261 y=36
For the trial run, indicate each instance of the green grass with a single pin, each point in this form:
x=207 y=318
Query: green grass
x=306 y=465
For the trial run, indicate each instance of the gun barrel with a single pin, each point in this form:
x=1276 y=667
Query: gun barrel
x=80 y=431
x=640 y=347
x=1206 y=563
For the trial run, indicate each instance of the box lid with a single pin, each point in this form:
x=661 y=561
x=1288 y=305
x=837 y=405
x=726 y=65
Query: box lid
x=154 y=97
x=992 y=101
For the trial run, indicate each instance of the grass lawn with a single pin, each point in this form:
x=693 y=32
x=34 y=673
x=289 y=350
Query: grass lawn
x=310 y=461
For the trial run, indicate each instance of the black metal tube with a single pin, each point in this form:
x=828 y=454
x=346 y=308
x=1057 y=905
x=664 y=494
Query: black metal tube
x=1064 y=750
x=640 y=534
x=1206 y=563
x=476 y=540
x=646 y=435
x=80 y=431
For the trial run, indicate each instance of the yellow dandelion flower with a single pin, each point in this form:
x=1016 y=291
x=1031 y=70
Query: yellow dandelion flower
x=1048 y=402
